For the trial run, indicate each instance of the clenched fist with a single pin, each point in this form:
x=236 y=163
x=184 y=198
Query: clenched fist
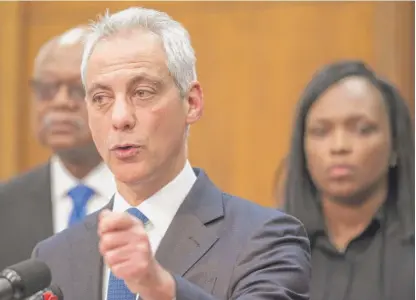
x=126 y=250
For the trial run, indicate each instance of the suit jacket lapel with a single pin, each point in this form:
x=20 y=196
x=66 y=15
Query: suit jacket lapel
x=189 y=237
x=39 y=195
x=87 y=263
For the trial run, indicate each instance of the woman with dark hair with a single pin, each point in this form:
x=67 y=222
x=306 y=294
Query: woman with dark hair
x=350 y=180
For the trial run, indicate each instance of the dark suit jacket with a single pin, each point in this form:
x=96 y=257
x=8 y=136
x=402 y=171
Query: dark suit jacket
x=25 y=214
x=217 y=247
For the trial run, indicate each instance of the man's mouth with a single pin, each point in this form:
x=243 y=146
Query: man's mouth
x=124 y=146
x=126 y=150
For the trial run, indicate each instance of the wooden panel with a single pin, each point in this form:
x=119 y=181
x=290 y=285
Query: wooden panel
x=254 y=59
x=395 y=45
x=10 y=83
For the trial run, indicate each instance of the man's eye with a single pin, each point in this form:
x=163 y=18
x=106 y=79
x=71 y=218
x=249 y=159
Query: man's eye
x=99 y=99
x=143 y=94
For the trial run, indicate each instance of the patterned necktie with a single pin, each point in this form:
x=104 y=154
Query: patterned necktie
x=117 y=289
x=80 y=196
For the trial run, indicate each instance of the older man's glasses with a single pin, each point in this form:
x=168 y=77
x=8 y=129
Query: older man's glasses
x=47 y=90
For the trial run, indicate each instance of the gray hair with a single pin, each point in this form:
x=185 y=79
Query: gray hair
x=174 y=37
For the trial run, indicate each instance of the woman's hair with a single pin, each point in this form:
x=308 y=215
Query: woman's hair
x=279 y=182
x=301 y=197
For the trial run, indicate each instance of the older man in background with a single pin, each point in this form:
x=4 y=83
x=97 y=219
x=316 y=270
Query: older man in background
x=74 y=182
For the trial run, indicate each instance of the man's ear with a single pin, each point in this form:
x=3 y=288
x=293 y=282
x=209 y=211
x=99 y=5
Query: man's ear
x=195 y=103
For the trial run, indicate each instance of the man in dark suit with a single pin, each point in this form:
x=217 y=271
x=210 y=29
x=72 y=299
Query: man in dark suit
x=40 y=202
x=168 y=233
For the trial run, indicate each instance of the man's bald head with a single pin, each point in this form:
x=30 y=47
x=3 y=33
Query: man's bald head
x=70 y=43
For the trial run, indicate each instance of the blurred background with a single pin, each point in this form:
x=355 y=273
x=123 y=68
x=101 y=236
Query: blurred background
x=253 y=60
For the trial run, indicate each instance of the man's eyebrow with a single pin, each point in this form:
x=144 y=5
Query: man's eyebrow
x=134 y=80
x=96 y=86
x=144 y=78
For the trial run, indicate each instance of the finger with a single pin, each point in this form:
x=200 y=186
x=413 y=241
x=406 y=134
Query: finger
x=131 y=269
x=132 y=252
x=115 y=239
x=113 y=221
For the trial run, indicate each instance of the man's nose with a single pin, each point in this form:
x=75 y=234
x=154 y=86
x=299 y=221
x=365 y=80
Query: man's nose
x=61 y=98
x=123 y=116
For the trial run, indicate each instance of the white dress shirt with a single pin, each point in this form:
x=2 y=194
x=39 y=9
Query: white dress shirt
x=100 y=179
x=160 y=209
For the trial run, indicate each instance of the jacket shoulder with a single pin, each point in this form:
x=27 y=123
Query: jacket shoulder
x=26 y=179
x=253 y=213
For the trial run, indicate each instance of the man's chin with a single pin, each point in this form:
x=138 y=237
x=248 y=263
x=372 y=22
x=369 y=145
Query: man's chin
x=58 y=147
x=130 y=174
x=130 y=179
x=62 y=143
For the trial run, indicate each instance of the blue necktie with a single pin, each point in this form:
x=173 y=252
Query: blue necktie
x=117 y=289
x=80 y=196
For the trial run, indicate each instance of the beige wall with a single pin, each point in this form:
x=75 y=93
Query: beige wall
x=254 y=58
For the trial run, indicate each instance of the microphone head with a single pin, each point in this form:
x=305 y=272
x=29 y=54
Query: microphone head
x=53 y=293
x=28 y=277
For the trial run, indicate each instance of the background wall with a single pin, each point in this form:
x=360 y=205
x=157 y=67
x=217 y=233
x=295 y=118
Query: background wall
x=254 y=59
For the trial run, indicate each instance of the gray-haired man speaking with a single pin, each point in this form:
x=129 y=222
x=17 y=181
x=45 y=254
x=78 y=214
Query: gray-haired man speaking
x=168 y=231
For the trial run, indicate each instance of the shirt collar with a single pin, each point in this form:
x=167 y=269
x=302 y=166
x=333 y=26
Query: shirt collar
x=162 y=206
x=100 y=179
x=316 y=224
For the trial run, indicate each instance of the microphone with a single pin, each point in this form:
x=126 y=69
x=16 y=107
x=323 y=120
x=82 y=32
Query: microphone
x=24 y=279
x=51 y=293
